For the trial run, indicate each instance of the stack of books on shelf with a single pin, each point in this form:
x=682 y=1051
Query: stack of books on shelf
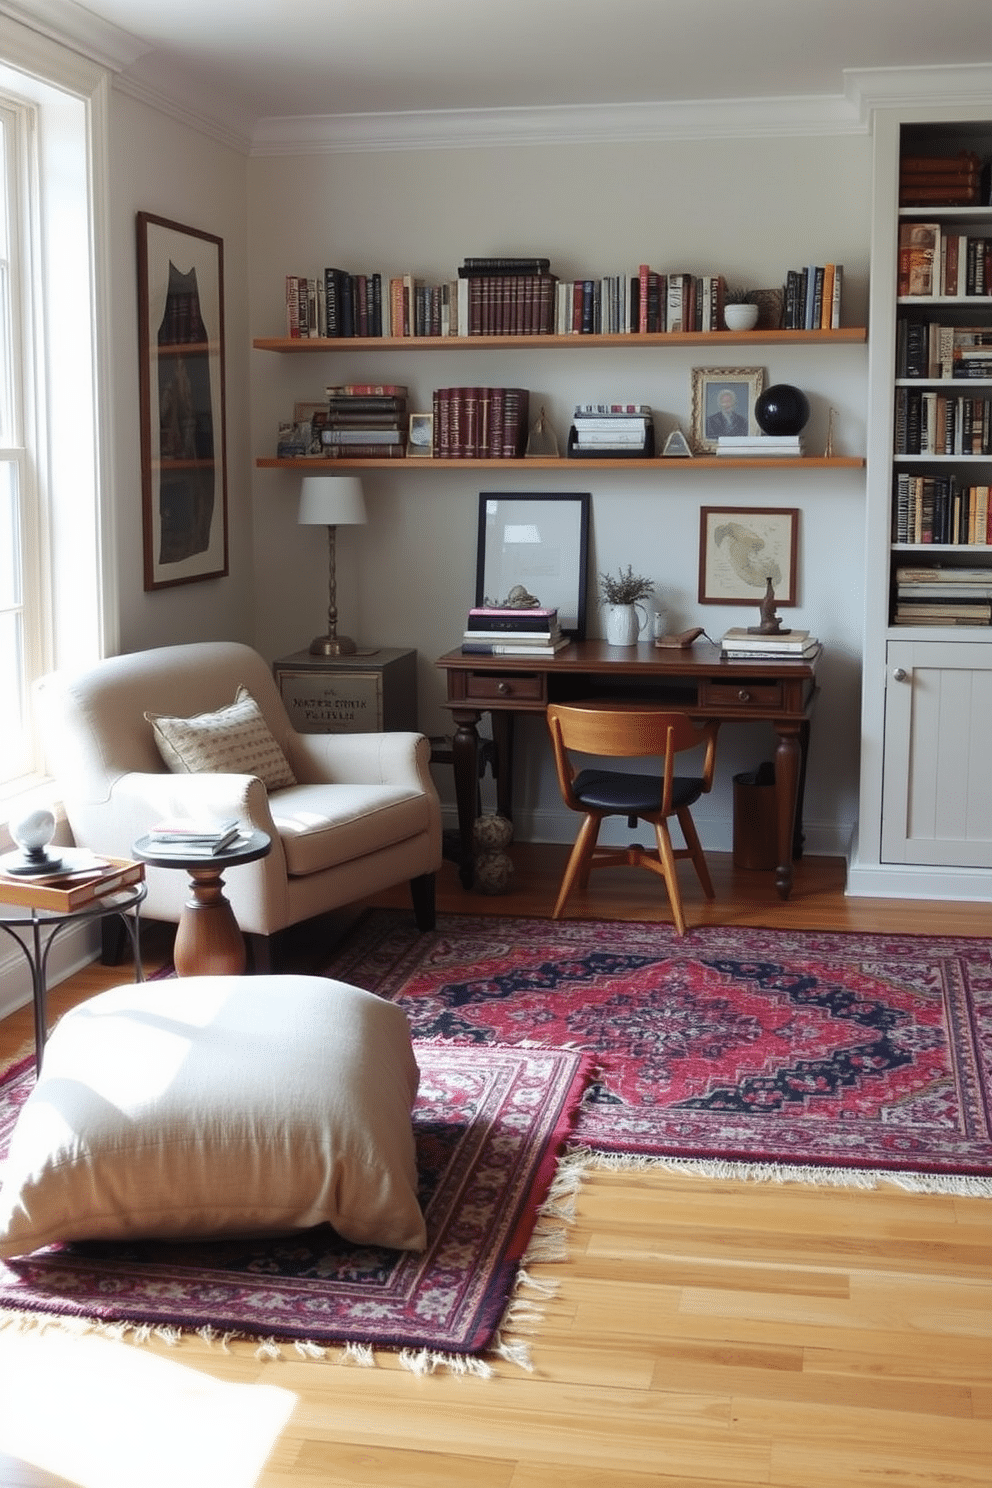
x=739 y=644
x=364 y=421
x=189 y=837
x=507 y=297
x=480 y=423
x=497 y=630
x=611 y=431
x=932 y=594
x=933 y=260
x=928 y=349
x=813 y=298
x=938 y=509
x=743 y=445
x=943 y=180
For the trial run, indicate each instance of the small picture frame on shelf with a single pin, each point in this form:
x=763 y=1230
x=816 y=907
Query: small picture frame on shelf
x=741 y=548
x=723 y=400
x=420 y=438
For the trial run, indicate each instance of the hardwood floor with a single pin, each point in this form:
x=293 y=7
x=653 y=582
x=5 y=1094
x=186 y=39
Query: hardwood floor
x=706 y=1333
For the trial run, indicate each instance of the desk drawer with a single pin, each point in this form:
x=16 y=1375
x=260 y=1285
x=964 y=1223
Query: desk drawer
x=743 y=695
x=490 y=687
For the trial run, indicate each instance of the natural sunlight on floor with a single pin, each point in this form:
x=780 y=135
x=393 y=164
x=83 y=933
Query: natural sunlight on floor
x=100 y=1414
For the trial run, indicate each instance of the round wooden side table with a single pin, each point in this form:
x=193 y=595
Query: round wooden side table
x=208 y=940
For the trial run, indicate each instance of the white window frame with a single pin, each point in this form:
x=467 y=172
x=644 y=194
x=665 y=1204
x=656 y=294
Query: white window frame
x=60 y=103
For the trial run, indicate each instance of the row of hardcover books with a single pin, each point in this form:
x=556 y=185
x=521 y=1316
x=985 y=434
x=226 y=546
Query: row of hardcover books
x=928 y=348
x=501 y=630
x=960 y=180
x=934 y=423
x=935 y=594
x=480 y=422
x=511 y=297
x=935 y=261
x=813 y=298
x=938 y=509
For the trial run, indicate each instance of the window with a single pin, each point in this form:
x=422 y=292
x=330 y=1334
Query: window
x=51 y=542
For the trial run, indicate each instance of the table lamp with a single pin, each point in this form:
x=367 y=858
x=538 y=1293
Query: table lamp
x=331 y=501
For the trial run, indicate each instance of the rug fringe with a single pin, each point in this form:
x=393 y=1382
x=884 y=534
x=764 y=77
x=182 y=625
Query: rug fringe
x=580 y=1161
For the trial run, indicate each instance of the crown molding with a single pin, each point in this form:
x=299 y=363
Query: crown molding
x=966 y=86
x=72 y=26
x=234 y=135
x=564 y=125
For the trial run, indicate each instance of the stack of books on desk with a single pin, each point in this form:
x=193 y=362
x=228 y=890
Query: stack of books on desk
x=492 y=630
x=742 y=446
x=188 y=837
x=611 y=431
x=788 y=645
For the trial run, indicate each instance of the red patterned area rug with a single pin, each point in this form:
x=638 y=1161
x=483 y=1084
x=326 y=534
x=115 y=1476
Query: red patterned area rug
x=834 y=1057
x=489 y=1126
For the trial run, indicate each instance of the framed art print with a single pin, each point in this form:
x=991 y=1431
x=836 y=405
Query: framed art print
x=181 y=388
x=741 y=548
x=540 y=542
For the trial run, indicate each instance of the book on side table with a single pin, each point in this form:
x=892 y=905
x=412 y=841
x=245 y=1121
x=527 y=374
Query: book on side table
x=83 y=879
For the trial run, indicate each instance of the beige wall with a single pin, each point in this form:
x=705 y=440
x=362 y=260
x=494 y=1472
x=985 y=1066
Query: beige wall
x=750 y=208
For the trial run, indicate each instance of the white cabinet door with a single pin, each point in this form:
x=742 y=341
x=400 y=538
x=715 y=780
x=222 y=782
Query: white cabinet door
x=937 y=780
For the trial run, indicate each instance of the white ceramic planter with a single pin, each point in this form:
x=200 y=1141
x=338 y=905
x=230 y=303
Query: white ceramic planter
x=740 y=317
x=624 y=623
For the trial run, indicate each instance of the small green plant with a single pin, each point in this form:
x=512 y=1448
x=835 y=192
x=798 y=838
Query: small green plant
x=625 y=587
x=738 y=297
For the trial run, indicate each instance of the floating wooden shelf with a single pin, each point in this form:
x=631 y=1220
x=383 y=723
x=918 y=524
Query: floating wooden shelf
x=657 y=463
x=628 y=340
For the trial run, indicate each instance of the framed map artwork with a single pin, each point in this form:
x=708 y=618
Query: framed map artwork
x=741 y=548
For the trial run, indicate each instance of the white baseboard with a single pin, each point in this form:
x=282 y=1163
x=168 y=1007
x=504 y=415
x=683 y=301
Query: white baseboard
x=74 y=947
x=911 y=881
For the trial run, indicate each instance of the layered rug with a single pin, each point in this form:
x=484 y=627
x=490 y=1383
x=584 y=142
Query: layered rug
x=489 y=1124
x=831 y=1057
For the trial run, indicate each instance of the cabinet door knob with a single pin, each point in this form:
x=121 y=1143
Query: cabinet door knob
x=743 y=696
x=900 y=674
x=503 y=688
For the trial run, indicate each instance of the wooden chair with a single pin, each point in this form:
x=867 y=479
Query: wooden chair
x=625 y=730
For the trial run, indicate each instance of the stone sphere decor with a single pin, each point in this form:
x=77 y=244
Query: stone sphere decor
x=782 y=409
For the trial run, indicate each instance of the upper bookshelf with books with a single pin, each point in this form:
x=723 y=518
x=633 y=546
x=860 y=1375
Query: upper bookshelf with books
x=523 y=298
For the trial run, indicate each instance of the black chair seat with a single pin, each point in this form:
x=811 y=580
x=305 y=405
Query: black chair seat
x=625 y=793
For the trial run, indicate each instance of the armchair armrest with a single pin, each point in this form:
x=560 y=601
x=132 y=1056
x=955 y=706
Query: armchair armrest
x=136 y=801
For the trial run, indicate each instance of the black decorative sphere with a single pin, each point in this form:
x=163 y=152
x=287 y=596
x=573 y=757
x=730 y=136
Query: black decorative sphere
x=782 y=409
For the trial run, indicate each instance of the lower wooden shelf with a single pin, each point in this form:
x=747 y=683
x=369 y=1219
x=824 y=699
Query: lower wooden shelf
x=656 y=462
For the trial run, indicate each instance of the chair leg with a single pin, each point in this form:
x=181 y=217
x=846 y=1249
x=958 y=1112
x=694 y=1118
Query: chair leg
x=424 y=908
x=695 y=851
x=577 y=867
x=666 y=857
x=259 y=949
x=112 y=935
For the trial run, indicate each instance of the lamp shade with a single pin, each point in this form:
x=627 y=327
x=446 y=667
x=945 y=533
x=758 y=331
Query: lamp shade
x=331 y=501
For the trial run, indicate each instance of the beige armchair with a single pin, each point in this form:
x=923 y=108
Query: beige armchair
x=363 y=815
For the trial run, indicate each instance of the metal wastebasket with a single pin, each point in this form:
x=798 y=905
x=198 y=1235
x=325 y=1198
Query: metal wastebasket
x=756 y=818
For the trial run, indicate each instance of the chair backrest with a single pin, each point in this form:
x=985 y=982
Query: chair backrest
x=93 y=722
x=626 y=730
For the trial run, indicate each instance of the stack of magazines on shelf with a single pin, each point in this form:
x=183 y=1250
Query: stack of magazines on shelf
x=739 y=643
x=934 y=594
x=189 y=837
x=746 y=446
x=495 y=630
x=611 y=431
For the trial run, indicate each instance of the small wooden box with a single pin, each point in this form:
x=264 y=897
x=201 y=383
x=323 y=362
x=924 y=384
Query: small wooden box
x=371 y=692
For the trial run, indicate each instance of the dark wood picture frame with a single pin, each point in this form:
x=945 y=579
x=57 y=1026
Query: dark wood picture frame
x=540 y=541
x=182 y=402
x=741 y=547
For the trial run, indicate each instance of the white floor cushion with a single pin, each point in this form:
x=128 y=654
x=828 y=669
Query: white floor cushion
x=219 y=1105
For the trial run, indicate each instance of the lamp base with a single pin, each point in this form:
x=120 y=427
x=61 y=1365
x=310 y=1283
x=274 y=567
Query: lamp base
x=332 y=646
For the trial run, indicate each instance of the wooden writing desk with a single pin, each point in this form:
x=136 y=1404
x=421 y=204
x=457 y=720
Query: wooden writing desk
x=697 y=680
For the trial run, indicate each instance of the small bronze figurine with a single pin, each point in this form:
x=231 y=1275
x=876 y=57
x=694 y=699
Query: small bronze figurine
x=770 y=622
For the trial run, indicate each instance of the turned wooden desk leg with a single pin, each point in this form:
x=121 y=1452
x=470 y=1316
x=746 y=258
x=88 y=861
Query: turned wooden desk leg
x=208 y=940
x=788 y=757
x=503 y=740
x=465 y=766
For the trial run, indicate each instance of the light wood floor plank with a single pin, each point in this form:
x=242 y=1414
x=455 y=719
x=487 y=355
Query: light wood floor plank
x=706 y=1334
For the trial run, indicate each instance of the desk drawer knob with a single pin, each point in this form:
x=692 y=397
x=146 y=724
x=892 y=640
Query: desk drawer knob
x=503 y=688
x=743 y=696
